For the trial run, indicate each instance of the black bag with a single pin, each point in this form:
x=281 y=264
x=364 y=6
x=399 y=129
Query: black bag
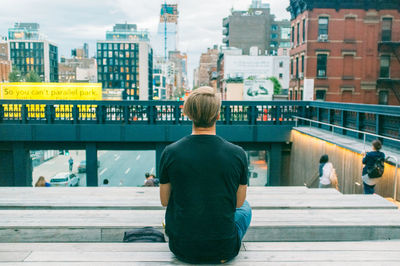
x=144 y=235
x=377 y=170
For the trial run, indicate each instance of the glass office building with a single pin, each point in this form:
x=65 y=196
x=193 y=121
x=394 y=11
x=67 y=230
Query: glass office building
x=126 y=63
x=29 y=51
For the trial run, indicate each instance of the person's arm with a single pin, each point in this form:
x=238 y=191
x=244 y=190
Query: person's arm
x=165 y=192
x=241 y=195
x=364 y=160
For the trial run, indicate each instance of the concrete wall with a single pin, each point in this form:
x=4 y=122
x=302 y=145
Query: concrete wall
x=304 y=163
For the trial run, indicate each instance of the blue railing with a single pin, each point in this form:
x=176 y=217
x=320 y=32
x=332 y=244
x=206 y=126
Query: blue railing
x=377 y=119
x=141 y=112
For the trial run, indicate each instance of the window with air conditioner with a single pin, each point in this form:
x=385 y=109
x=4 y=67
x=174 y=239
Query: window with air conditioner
x=321 y=65
x=386 y=30
x=323 y=24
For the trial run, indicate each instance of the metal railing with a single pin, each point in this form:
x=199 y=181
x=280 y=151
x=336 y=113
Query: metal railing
x=364 y=142
x=142 y=112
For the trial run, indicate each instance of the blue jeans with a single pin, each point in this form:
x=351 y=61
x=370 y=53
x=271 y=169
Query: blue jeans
x=243 y=219
x=368 y=189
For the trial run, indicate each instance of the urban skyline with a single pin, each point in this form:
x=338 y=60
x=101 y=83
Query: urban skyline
x=66 y=25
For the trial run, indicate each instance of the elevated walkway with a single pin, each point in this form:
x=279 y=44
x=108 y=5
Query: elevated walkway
x=103 y=214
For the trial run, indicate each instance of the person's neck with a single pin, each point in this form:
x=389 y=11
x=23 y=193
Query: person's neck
x=204 y=130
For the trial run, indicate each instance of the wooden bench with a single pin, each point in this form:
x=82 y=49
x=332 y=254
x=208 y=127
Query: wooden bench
x=148 y=199
x=251 y=254
x=104 y=214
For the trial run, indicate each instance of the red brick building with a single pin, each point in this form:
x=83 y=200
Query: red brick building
x=5 y=64
x=349 y=49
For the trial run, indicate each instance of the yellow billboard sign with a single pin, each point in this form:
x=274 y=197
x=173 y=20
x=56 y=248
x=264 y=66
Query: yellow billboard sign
x=50 y=91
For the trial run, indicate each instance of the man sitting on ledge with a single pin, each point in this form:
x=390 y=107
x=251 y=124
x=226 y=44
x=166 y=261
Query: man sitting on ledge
x=203 y=185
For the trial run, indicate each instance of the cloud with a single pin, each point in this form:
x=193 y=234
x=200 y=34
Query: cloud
x=70 y=23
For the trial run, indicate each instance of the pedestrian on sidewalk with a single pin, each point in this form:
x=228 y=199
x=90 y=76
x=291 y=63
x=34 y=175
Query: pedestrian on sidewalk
x=41 y=182
x=373 y=167
x=71 y=163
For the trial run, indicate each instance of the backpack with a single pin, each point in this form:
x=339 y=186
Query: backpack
x=144 y=235
x=377 y=170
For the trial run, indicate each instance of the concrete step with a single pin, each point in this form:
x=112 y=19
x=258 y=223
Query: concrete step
x=267 y=225
x=148 y=199
x=294 y=253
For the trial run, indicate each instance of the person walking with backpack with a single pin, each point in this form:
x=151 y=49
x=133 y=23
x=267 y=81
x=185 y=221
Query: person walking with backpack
x=374 y=162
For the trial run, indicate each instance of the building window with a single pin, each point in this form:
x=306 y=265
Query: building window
x=383 y=97
x=291 y=95
x=295 y=95
x=274 y=36
x=274 y=27
x=304 y=30
x=320 y=95
x=321 y=65
x=280 y=76
x=302 y=64
x=386 y=30
x=297 y=67
x=293 y=34
x=298 y=33
x=291 y=66
x=323 y=23
x=280 y=64
x=385 y=66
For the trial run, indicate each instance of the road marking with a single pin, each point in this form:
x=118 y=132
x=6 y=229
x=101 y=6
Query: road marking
x=103 y=171
x=152 y=169
x=117 y=158
x=127 y=171
x=138 y=157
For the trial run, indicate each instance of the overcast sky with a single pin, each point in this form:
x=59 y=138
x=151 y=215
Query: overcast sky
x=70 y=23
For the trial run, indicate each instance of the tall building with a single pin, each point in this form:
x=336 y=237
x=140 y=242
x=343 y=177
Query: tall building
x=208 y=62
x=256 y=27
x=125 y=62
x=30 y=51
x=166 y=39
x=5 y=64
x=345 y=51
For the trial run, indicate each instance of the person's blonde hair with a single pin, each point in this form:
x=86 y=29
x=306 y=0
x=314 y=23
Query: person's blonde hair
x=202 y=107
x=41 y=182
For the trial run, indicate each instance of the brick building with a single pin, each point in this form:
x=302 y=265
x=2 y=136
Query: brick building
x=345 y=51
x=5 y=64
x=256 y=27
x=207 y=67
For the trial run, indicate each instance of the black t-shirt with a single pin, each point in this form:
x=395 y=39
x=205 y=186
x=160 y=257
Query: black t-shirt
x=205 y=172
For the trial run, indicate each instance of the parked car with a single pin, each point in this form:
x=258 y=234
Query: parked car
x=82 y=166
x=64 y=180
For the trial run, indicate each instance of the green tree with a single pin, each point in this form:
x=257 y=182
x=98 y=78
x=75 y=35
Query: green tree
x=277 y=85
x=32 y=76
x=179 y=92
x=15 y=75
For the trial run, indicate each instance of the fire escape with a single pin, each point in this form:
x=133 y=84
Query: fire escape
x=389 y=47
